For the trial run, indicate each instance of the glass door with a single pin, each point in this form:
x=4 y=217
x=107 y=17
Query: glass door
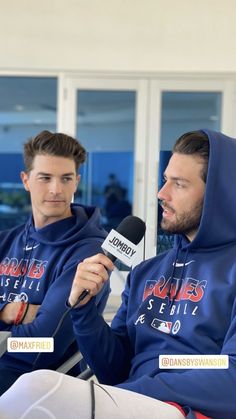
x=106 y=126
x=28 y=105
x=109 y=117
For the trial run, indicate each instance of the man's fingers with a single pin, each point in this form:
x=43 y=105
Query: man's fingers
x=102 y=259
x=87 y=270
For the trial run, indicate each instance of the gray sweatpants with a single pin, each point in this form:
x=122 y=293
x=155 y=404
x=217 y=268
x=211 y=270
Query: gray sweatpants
x=46 y=394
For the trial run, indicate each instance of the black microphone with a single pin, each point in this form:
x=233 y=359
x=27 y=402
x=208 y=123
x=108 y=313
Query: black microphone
x=131 y=228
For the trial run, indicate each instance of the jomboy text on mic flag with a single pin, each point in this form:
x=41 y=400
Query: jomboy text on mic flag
x=120 y=247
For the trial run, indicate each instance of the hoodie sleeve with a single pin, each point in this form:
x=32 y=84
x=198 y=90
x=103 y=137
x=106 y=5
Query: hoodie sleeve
x=112 y=361
x=48 y=317
x=211 y=391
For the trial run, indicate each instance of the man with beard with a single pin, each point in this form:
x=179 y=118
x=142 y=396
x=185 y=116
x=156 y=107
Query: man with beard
x=198 y=273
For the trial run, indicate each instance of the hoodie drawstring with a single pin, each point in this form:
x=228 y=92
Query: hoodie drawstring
x=25 y=266
x=172 y=275
x=181 y=277
x=179 y=283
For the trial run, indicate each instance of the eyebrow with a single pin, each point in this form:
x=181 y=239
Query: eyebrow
x=177 y=178
x=50 y=174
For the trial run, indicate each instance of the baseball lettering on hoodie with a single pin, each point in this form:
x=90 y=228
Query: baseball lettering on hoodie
x=32 y=259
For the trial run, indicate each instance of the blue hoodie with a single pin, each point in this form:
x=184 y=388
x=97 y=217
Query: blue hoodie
x=38 y=266
x=180 y=302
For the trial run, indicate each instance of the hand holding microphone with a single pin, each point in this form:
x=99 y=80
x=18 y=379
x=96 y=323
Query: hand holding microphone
x=92 y=273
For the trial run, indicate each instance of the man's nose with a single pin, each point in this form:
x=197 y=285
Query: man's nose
x=55 y=187
x=163 y=193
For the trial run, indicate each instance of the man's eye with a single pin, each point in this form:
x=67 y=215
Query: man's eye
x=44 y=178
x=66 y=179
x=179 y=185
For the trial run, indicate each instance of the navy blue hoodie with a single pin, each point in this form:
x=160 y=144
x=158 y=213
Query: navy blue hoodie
x=38 y=266
x=180 y=302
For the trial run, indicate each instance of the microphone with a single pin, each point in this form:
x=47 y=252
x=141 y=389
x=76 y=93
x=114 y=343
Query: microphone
x=122 y=242
x=124 y=239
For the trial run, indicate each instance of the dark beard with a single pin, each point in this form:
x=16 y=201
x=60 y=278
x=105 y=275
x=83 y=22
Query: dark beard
x=186 y=223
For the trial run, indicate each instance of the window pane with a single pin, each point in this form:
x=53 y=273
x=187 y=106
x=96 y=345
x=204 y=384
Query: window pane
x=105 y=126
x=27 y=106
x=183 y=112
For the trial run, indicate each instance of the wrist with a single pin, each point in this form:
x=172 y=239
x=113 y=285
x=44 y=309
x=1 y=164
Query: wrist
x=25 y=312
x=21 y=313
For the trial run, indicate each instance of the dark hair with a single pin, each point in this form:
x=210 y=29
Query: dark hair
x=53 y=144
x=194 y=143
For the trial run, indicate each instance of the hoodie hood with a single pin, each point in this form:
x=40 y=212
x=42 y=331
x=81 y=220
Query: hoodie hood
x=218 y=215
x=83 y=224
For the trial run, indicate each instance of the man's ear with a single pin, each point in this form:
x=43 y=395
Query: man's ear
x=25 y=180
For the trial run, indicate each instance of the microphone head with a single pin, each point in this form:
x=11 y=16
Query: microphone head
x=132 y=228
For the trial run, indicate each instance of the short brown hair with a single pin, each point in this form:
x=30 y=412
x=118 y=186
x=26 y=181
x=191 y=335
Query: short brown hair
x=53 y=144
x=194 y=143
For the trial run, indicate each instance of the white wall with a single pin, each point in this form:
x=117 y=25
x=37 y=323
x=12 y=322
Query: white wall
x=118 y=35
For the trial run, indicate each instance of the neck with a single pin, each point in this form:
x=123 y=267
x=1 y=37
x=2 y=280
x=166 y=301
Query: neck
x=43 y=221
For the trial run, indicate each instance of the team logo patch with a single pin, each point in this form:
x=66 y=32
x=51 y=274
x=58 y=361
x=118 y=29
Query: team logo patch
x=161 y=325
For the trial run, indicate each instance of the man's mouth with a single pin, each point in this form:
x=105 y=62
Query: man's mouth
x=54 y=200
x=167 y=211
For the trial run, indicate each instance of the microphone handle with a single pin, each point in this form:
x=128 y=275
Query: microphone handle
x=82 y=296
x=110 y=256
